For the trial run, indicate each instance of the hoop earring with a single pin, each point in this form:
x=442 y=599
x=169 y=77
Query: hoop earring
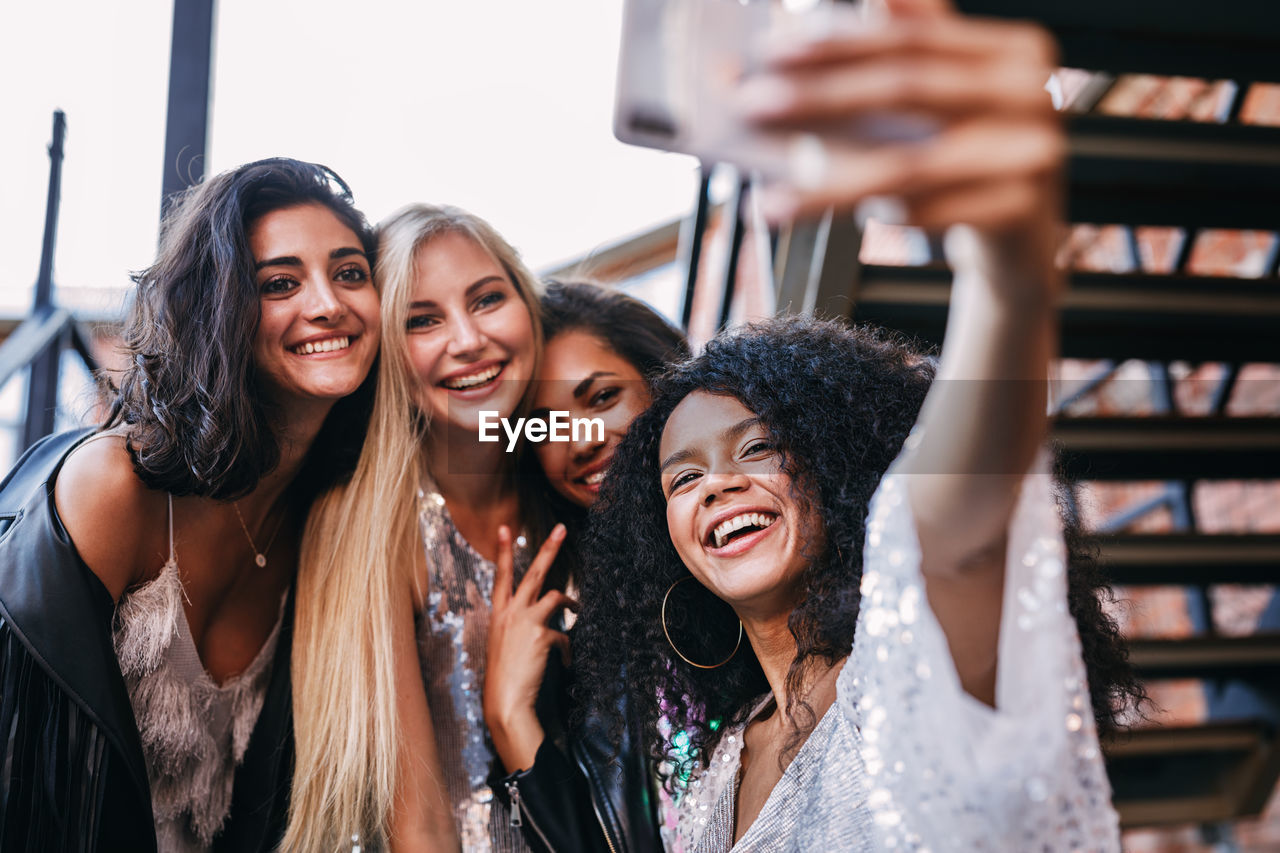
x=673 y=645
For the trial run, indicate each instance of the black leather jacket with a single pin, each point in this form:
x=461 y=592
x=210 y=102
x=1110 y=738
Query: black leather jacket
x=73 y=777
x=582 y=794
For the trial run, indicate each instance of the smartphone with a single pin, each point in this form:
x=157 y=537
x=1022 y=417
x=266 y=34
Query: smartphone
x=680 y=60
x=677 y=64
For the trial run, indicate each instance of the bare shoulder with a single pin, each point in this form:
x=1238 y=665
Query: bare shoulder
x=110 y=515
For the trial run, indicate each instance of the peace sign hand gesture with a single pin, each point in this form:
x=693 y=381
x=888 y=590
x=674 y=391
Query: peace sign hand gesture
x=519 y=641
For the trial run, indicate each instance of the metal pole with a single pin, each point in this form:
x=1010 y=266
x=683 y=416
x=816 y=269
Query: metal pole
x=44 y=279
x=187 y=121
x=691 y=242
x=738 y=229
x=42 y=386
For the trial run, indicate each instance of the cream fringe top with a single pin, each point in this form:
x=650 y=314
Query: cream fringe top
x=194 y=731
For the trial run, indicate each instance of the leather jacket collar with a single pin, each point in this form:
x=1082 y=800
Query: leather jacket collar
x=45 y=587
x=62 y=614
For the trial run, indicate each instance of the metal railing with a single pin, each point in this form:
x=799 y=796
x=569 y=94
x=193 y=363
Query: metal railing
x=37 y=344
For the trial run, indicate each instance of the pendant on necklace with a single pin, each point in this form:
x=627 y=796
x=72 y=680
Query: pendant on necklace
x=261 y=560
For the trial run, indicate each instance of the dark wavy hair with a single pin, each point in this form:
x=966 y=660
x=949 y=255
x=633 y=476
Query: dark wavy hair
x=197 y=418
x=838 y=403
x=625 y=324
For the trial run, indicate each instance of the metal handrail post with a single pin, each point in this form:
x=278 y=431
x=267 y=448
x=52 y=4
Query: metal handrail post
x=187 y=115
x=738 y=228
x=44 y=278
x=691 y=238
x=42 y=384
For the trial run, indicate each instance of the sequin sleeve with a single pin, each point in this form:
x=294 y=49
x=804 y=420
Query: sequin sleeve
x=944 y=771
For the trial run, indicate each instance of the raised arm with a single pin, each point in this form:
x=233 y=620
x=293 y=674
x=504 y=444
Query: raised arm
x=990 y=173
x=984 y=419
x=982 y=424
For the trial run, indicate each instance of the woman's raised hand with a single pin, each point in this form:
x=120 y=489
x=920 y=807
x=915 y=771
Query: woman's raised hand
x=993 y=156
x=519 y=642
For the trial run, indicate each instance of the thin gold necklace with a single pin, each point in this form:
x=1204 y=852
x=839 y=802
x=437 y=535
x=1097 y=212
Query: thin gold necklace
x=259 y=557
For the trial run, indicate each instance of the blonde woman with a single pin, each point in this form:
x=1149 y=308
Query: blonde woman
x=395 y=594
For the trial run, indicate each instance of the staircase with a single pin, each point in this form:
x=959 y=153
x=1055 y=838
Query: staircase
x=1134 y=171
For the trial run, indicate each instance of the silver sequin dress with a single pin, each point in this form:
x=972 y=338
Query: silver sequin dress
x=452 y=634
x=905 y=760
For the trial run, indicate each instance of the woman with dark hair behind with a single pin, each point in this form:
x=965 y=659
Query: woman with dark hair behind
x=619 y=344
x=601 y=348
x=866 y=633
x=145 y=574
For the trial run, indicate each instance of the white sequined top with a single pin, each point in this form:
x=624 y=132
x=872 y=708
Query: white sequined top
x=906 y=760
x=194 y=731
x=452 y=641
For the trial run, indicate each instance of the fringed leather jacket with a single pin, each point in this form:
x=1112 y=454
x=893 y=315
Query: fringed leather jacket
x=72 y=775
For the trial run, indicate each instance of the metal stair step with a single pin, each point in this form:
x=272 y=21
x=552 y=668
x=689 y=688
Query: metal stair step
x=1185 y=774
x=1105 y=315
x=1254 y=658
x=1237 y=42
x=1169 y=448
x=1152 y=172
x=1188 y=559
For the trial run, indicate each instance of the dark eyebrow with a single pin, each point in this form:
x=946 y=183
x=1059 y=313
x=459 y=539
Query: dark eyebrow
x=674 y=459
x=471 y=288
x=732 y=433
x=735 y=432
x=286 y=261
x=295 y=261
x=582 y=387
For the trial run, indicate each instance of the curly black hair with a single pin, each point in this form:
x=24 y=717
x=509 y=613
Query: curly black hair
x=198 y=422
x=837 y=403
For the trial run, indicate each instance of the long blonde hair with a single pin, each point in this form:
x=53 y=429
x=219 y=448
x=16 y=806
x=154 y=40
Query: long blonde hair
x=356 y=557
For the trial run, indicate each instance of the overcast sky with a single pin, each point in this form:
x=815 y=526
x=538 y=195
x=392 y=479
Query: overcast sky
x=500 y=106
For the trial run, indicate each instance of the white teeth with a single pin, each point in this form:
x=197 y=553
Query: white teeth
x=592 y=479
x=746 y=519
x=326 y=345
x=474 y=379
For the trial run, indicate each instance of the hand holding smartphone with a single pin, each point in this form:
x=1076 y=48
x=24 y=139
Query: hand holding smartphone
x=834 y=105
x=682 y=69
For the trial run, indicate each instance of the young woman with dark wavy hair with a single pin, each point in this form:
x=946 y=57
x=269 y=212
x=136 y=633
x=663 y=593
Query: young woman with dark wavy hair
x=863 y=653
x=145 y=570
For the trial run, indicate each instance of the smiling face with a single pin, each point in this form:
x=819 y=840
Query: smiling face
x=471 y=339
x=318 y=329
x=581 y=375
x=731 y=511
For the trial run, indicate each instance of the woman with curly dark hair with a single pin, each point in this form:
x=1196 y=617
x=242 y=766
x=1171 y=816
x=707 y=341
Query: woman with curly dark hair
x=145 y=572
x=854 y=652
x=797 y=384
